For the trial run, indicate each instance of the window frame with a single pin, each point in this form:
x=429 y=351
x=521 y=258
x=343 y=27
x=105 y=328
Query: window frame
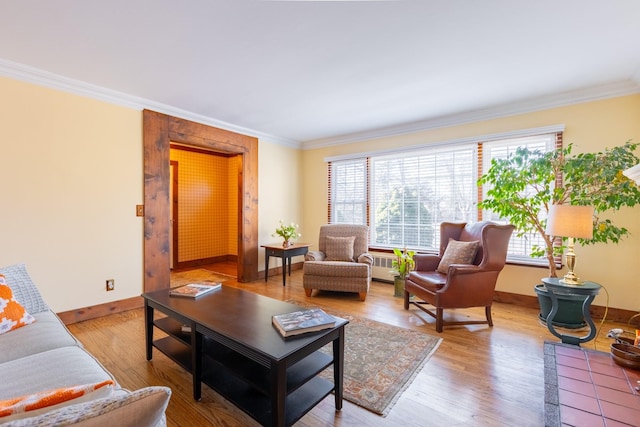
x=481 y=144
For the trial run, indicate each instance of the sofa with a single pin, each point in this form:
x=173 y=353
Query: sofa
x=47 y=378
x=342 y=262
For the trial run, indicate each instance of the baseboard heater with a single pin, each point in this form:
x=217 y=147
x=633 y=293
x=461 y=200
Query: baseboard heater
x=381 y=271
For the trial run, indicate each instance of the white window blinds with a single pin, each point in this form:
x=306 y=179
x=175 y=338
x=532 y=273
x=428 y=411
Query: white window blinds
x=412 y=193
x=348 y=191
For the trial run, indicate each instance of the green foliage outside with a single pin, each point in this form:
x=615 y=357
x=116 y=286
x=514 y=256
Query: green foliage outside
x=405 y=205
x=524 y=186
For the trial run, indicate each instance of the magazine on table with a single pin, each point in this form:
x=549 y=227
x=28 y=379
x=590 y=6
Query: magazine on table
x=302 y=322
x=194 y=290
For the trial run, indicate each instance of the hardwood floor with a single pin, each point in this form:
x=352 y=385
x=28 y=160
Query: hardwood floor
x=479 y=376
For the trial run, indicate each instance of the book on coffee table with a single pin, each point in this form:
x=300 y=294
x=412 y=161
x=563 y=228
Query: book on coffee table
x=194 y=290
x=302 y=322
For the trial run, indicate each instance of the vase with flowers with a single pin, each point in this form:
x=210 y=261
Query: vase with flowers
x=288 y=232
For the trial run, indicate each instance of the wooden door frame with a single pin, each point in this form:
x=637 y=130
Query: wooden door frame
x=159 y=130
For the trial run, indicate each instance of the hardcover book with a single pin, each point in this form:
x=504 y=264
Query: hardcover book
x=303 y=321
x=194 y=290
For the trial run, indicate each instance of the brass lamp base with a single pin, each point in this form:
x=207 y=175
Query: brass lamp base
x=570 y=278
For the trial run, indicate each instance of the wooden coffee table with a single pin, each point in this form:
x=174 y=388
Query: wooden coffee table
x=234 y=349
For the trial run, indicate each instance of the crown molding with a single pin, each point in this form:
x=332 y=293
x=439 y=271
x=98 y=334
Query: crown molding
x=44 y=78
x=40 y=77
x=611 y=90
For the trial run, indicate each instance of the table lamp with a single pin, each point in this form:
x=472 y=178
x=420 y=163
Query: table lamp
x=633 y=173
x=571 y=222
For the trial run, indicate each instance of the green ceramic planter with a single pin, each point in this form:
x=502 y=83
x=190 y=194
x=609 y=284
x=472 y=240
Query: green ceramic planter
x=569 y=311
x=398 y=287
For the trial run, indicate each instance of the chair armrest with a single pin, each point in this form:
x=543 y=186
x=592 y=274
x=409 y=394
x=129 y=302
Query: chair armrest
x=468 y=284
x=314 y=256
x=426 y=262
x=366 y=258
x=464 y=269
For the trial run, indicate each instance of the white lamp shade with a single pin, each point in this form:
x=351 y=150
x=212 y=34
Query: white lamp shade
x=570 y=221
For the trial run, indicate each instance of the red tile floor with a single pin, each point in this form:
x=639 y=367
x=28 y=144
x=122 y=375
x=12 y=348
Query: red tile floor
x=587 y=388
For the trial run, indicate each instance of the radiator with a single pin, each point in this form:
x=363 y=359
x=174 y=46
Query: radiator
x=381 y=270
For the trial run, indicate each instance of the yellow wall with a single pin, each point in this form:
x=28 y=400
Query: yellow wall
x=72 y=173
x=71 y=176
x=280 y=189
x=590 y=127
x=208 y=205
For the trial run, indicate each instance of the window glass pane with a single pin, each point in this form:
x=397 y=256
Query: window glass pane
x=413 y=192
x=348 y=192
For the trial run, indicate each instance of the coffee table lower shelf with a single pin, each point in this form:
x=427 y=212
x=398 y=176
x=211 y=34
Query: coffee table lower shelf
x=246 y=383
x=258 y=405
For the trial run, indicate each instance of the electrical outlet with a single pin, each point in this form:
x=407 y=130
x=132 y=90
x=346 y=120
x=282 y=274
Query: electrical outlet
x=111 y=284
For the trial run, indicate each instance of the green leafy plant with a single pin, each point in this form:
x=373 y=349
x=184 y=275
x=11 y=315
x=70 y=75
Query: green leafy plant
x=403 y=263
x=287 y=232
x=525 y=185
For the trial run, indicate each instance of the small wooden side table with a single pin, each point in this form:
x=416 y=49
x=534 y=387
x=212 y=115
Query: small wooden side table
x=286 y=254
x=588 y=289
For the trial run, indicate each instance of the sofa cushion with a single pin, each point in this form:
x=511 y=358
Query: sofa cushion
x=57 y=368
x=339 y=248
x=144 y=407
x=458 y=253
x=47 y=400
x=12 y=313
x=46 y=333
x=24 y=290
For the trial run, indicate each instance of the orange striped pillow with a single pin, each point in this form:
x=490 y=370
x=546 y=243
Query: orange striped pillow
x=12 y=314
x=45 y=399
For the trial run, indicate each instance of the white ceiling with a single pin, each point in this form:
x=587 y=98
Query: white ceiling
x=312 y=73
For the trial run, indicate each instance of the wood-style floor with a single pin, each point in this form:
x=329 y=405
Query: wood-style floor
x=479 y=376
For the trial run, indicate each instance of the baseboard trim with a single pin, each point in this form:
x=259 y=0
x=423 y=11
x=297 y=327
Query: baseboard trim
x=87 y=313
x=95 y=311
x=199 y=262
x=597 y=312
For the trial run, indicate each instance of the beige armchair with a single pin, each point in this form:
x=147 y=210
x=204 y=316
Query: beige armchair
x=342 y=262
x=463 y=274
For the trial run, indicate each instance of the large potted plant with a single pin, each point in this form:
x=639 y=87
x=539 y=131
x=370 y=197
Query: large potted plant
x=401 y=267
x=527 y=183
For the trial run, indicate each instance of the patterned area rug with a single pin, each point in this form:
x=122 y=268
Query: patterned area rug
x=380 y=361
x=198 y=275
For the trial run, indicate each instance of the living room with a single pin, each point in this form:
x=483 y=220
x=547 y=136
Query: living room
x=74 y=173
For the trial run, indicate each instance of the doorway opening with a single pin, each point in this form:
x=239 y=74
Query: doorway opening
x=203 y=209
x=159 y=132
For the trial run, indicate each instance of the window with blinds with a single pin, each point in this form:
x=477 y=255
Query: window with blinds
x=520 y=245
x=412 y=193
x=348 y=192
x=404 y=196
